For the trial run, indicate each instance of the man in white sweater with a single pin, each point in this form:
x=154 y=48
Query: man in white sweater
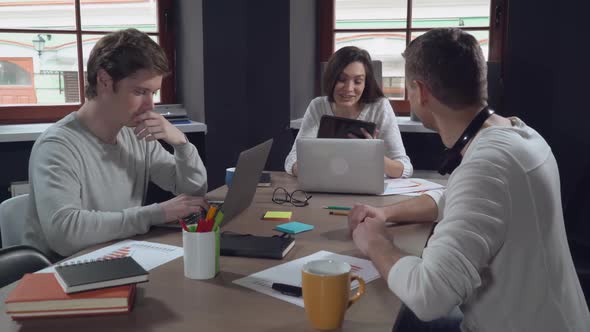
x=499 y=250
x=89 y=172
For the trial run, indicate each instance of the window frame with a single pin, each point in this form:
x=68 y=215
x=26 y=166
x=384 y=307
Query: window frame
x=327 y=31
x=14 y=114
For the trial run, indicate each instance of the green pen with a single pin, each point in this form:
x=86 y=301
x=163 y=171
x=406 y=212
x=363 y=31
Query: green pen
x=218 y=219
x=334 y=207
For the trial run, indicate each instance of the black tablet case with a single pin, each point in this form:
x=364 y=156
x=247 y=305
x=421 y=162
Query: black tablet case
x=337 y=127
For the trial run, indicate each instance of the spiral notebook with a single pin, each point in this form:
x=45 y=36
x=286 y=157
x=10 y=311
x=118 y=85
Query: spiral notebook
x=81 y=276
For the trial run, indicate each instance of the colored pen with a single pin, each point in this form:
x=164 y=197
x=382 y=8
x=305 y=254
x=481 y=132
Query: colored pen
x=183 y=224
x=209 y=221
x=334 y=207
x=208 y=225
x=339 y=213
x=218 y=219
x=287 y=289
x=211 y=212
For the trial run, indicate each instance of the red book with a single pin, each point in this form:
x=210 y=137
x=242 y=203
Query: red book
x=40 y=296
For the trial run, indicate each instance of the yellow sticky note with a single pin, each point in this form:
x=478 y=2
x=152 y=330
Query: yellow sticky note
x=283 y=215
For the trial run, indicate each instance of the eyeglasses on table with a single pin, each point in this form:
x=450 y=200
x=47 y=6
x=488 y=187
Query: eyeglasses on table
x=297 y=198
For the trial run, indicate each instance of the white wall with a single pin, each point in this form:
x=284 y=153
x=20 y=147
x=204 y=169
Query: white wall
x=303 y=55
x=189 y=58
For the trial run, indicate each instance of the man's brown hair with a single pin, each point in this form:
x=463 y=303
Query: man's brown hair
x=121 y=54
x=451 y=63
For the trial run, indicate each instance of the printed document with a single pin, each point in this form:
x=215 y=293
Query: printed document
x=148 y=254
x=290 y=273
x=410 y=186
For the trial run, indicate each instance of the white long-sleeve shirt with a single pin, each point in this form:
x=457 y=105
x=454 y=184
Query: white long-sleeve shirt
x=84 y=191
x=500 y=249
x=379 y=112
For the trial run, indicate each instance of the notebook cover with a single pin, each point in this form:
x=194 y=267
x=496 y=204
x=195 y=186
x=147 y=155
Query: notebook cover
x=58 y=314
x=39 y=295
x=100 y=273
x=255 y=246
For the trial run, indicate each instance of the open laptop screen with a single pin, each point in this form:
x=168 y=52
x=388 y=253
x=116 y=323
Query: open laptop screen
x=353 y=166
x=245 y=180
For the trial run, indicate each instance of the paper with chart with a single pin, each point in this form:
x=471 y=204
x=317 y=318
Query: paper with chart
x=290 y=273
x=410 y=186
x=148 y=254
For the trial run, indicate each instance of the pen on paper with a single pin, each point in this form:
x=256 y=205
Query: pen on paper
x=285 y=289
x=339 y=213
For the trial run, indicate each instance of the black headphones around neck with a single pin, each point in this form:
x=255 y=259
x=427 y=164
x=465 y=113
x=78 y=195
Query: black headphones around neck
x=452 y=157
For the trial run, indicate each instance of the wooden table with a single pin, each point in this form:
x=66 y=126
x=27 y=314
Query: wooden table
x=170 y=302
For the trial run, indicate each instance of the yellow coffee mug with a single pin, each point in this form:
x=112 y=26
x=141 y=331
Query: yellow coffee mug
x=326 y=292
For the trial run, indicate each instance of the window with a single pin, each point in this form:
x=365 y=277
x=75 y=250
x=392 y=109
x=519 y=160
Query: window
x=385 y=27
x=45 y=44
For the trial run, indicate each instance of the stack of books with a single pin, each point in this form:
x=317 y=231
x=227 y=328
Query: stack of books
x=82 y=289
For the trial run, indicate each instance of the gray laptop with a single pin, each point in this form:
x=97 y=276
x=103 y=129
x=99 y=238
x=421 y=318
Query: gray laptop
x=241 y=192
x=245 y=180
x=352 y=166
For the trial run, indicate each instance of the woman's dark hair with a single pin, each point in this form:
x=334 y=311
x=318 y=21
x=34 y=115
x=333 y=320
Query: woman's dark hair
x=451 y=63
x=336 y=64
x=121 y=54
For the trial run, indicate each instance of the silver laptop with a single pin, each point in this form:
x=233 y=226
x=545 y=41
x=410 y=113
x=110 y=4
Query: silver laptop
x=243 y=187
x=353 y=166
x=245 y=180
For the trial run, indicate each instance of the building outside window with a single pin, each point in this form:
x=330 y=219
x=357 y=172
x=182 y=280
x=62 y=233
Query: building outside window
x=385 y=27
x=45 y=44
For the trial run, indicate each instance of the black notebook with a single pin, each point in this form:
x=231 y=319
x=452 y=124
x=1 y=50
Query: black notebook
x=81 y=276
x=247 y=245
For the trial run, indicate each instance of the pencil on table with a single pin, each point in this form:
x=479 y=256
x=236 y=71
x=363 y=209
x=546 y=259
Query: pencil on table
x=339 y=213
x=335 y=207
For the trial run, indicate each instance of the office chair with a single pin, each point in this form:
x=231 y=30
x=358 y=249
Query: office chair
x=15 y=261
x=13 y=212
x=408 y=322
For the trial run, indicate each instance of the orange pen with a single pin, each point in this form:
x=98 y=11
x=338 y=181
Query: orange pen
x=211 y=213
x=209 y=219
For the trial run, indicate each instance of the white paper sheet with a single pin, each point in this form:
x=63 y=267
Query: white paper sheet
x=290 y=273
x=410 y=185
x=148 y=254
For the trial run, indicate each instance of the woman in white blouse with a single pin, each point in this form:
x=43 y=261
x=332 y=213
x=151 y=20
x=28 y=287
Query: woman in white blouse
x=352 y=92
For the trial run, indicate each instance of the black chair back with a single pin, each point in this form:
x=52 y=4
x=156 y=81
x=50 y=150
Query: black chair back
x=408 y=322
x=15 y=261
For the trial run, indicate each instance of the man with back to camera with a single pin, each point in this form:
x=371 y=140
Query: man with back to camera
x=499 y=250
x=89 y=172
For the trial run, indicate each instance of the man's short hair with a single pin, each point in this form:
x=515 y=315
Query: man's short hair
x=451 y=63
x=342 y=58
x=121 y=54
